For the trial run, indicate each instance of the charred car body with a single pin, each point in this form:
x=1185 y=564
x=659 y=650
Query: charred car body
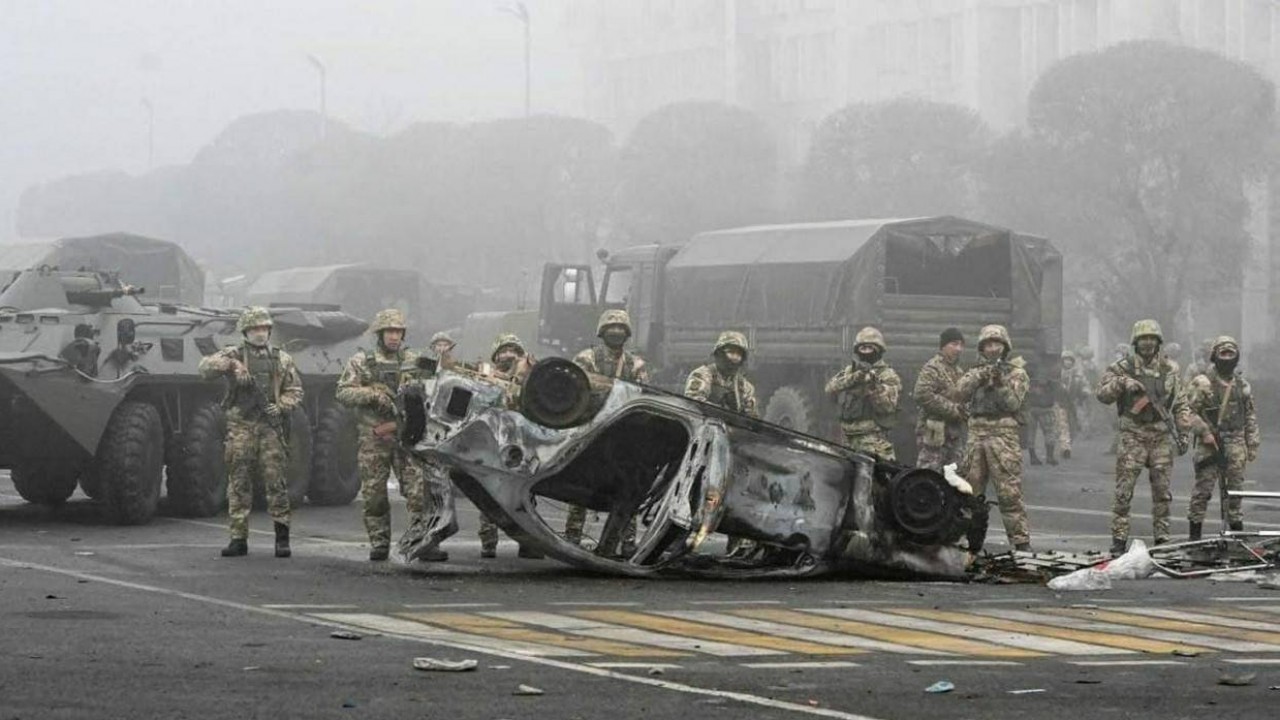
x=682 y=470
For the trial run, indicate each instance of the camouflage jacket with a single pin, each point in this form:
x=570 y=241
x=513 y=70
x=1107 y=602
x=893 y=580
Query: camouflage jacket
x=706 y=384
x=990 y=404
x=276 y=379
x=1204 y=399
x=371 y=381
x=867 y=396
x=600 y=360
x=1116 y=388
x=1075 y=387
x=935 y=392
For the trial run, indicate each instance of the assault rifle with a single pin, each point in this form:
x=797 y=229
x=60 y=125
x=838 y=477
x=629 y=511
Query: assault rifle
x=1152 y=398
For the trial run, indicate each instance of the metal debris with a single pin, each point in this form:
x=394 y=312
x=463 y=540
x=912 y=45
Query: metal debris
x=345 y=635
x=436 y=665
x=528 y=690
x=942 y=686
x=1240 y=680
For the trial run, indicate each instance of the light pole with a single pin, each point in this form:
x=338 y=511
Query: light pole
x=520 y=11
x=151 y=132
x=324 y=112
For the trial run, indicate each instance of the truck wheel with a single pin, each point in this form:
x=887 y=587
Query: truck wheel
x=197 y=472
x=44 y=481
x=789 y=406
x=335 y=471
x=130 y=463
x=298 y=472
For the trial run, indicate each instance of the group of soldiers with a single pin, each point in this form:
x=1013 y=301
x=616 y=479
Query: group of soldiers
x=976 y=419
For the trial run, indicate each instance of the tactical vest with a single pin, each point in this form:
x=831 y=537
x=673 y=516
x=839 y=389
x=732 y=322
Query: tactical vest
x=986 y=403
x=724 y=395
x=854 y=407
x=386 y=372
x=1156 y=390
x=264 y=367
x=606 y=364
x=1233 y=418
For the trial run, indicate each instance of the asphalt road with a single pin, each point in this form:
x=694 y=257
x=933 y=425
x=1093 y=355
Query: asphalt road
x=101 y=621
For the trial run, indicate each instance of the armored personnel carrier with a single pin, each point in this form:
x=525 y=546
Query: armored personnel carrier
x=101 y=390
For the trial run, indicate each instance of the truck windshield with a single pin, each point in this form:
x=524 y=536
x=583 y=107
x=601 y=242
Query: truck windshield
x=617 y=286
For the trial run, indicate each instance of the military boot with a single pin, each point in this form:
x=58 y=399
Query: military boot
x=238 y=547
x=1035 y=459
x=1236 y=526
x=1023 y=547
x=378 y=553
x=1196 y=529
x=1066 y=454
x=1118 y=545
x=1050 y=455
x=282 y=541
x=488 y=552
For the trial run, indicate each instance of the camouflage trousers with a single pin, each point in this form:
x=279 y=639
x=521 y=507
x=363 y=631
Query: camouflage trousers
x=1063 y=418
x=488 y=532
x=577 y=520
x=1045 y=421
x=871 y=443
x=994 y=456
x=936 y=457
x=1137 y=448
x=255 y=448
x=378 y=459
x=1208 y=474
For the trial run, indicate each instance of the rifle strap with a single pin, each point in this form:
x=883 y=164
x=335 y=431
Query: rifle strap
x=1222 y=407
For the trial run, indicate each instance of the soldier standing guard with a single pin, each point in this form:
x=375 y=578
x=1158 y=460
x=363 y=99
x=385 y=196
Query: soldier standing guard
x=512 y=363
x=612 y=359
x=993 y=393
x=1222 y=400
x=369 y=386
x=1145 y=390
x=867 y=392
x=263 y=389
x=941 y=425
x=1072 y=393
x=1042 y=414
x=724 y=382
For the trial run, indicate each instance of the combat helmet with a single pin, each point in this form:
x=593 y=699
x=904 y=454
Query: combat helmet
x=613 y=317
x=1069 y=355
x=731 y=338
x=389 y=319
x=1223 y=341
x=998 y=333
x=253 y=317
x=1172 y=350
x=442 y=336
x=504 y=340
x=870 y=336
x=1144 y=328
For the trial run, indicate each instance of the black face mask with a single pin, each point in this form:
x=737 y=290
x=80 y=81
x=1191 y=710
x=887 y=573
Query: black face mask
x=726 y=367
x=870 y=358
x=1226 y=367
x=614 y=339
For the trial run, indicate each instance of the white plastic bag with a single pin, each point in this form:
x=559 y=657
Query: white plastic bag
x=955 y=481
x=1133 y=565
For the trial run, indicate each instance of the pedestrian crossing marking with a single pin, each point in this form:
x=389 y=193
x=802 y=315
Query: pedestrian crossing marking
x=1128 y=618
x=506 y=630
x=410 y=628
x=712 y=632
x=925 y=641
x=1242 y=613
x=796 y=632
x=1217 y=643
x=1092 y=637
x=1207 y=619
x=592 y=628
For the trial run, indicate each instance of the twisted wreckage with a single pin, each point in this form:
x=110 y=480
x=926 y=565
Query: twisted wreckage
x=679 y=470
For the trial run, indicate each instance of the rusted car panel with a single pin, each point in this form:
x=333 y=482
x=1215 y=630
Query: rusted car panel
x=684 y=471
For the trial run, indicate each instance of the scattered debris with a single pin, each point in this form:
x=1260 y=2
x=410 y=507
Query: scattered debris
x=528 y=690
x=85 y=553
x=942 y=686
x=345 y=635
x=499 y=667
x=52 y=597
x=251 y=668
x=1186 y=653
x=1081 y=580
x=1088 y=681
x=655 y=671
x=1028 y=691
x=1240 y=680
x=1134 y=564
x=436 y=665
x=348 y=703
x=1029 y=567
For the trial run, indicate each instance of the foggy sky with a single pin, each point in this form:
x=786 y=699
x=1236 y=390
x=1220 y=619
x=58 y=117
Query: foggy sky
x=74 y=73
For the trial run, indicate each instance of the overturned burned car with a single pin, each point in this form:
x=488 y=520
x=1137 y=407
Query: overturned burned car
x=682 y=471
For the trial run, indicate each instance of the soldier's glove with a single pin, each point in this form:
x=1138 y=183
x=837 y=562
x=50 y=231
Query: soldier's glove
x=241 y=374
x=273 y=411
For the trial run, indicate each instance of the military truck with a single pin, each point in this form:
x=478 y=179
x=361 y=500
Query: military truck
x=801 y=292
x=100 y=390
x=162 y=268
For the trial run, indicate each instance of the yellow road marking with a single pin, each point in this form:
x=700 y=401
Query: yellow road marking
x=1090 y=637
x=900 y=636
x=1234 y=612
x=1156 y=623
x=714 y=632
x=505 y=630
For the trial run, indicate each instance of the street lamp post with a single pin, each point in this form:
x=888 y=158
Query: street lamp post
x=520 y=11
x=151 y=132
x=324 y=111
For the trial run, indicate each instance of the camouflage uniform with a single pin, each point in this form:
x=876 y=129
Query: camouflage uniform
x=993 y=394
x=623 y=365
x=515 y=376
x=1143 y=439
x=255 y=442
x=1042 y=414
x=732 y=392
x=1225 y=408
x=868 y=398
x=1090 y=375
x=1072 y=391
x=941 y=425
x=369 y=385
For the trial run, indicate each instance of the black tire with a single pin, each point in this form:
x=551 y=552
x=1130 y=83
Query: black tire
x=129 y=467
x=197 y=469
x=298 y=474
x=335 y=472
x=44 y=481
x=790 y=407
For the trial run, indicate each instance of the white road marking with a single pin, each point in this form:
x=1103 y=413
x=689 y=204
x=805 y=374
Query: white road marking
x=1202 y=619
x=584 y=603
x=623 y=633
x=1185 y=638
x=735 y=602
x=1107 y=513
x=303 y=606
x=1252 y=661
x=1246 y=599
x=800 y=665
x=1123 y=663
x=1000 y=637
x=636 y=666
x=1001 y=601
x=441 y=606
x=796 y=632
x=965 y=663
x=403 y=627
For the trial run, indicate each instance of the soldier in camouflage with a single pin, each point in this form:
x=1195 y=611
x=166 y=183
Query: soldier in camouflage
x=1221 y=401
x=263 y=389
x=993 y=394
x=1200 y=363
x=1072 y=391
x=867 y=393
x=1091 y=375
x=1139 y=386
x=442 y=344
x=611 y=358
x=940 y=427
x=1042 y=412
x=511 y=362
x=369 y=386
x=724 y=382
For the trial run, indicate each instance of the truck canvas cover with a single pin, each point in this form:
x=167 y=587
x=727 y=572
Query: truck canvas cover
x=167 y=272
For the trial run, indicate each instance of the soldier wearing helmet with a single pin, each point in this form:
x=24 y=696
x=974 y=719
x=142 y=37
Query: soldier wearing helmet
x=1043 y=398
x=867 y=392
x=1221 y=401
x=1137 y=385
x=941 y=425
x=723 y=382
x=1074 y=392
x=263 y=389
x=370 y=384
x=1091 y=375
x=993 y=394
x=611 y=358
x=442 y=344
